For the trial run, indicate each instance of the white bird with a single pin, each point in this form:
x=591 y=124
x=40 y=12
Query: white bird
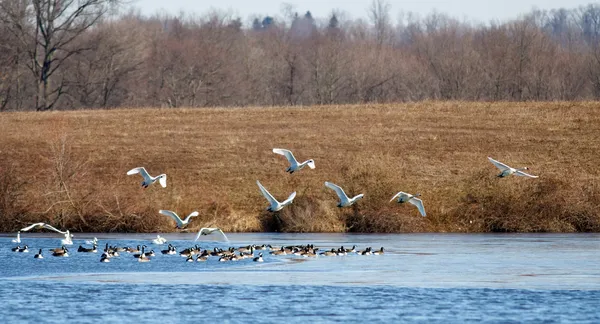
x=506 y=170
x=159 y=240
x=148 y=179
x=209 y=230
x=92 y=242
x=294 y=165
x=275 y=205
x=406 y=197
x=180 y=223
x=344 y=200
x=66 y=241
x=18 y=239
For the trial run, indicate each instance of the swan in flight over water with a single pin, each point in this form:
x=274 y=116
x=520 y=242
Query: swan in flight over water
x=275 y=205
x=66 y=241
x=294 y=165
x=148 y=179
x=18 y=239
x=209 y=230
x=506 y=170
x=344 y=200
x=180 y=223
x=406 y=197
x=159 y=240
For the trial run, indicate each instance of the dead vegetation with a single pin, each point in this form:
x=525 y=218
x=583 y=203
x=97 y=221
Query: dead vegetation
x=68 y=168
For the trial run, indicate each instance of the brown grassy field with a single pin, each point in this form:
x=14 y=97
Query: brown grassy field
x=68 y=168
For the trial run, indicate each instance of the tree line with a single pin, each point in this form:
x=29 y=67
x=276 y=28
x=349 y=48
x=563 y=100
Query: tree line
x=72 y=54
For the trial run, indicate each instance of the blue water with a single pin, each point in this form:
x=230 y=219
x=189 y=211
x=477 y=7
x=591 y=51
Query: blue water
x=421 y=278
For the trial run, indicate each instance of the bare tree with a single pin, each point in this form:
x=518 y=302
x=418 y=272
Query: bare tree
x=48 y=36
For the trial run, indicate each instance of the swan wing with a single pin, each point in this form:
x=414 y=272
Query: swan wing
x=419 y=203
x=499 y=164
x=172 y=215
x=289 y=199
x=288 y=155
x=209 y=230
x=141 y=170
x=523 y=174
x=267 y=195
x=163 y=180
x=397 y=195
x=338 y=190
x=193 y=214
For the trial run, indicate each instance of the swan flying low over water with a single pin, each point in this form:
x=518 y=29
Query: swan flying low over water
x=344 y=200
x=406 y=197
x=180 y=223
x=66 y=241
x=148 y=179
x=210 y=230
x=159 y=240
x=275 y=205
x=506 y=170
x=294 y=165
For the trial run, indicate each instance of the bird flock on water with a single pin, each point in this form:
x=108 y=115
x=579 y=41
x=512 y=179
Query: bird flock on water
x=248 y=251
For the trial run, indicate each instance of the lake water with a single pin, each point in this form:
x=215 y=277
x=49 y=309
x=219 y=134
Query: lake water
x=424 y=278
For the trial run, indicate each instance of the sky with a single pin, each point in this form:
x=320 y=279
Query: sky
x=472 y=10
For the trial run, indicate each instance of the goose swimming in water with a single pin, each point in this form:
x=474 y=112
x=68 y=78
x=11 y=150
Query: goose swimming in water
x=105 y=258
x=412 y=199
x=259 y=258
x=24 y=249
x=506 y=170
x=148 y=179
x=143 y=257
x=294 y=165
x=274 y=204
x=39 y=255
x=344 y=200
x=177 y=219
x=94 y=249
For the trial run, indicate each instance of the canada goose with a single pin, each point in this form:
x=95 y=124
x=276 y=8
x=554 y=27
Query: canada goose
x=59 y=250
x=274 y=204
x=223 y=258
x=344 y=200
x=135 y=250
x=104 y=258
x=246 y=248
x=234 y=257
x=148 y=179
x=24 y=249
x=143 y=257
x=506 y=170
x=202 y=257
x=261 y=247
x=331 y=252
x=170 y=250
x=180 y=223
x=190 y=258
x=94 y=249
x=279 y=252
x=412 y=199
x=145 y=254
x=259 y=258
x=61 y=253
x=367 y=251
x=294 y=165
x=16 y=249
x=379 y=252
x=39 y=255
x=352 y=250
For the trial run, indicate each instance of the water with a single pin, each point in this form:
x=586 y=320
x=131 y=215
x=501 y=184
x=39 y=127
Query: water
x=421 y=278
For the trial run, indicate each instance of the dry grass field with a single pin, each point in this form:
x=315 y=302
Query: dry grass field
x=69 y=168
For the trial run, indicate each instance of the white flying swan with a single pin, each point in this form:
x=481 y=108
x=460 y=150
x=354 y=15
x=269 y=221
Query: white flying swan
x=344 y=200
x=275 y=205
x=506 y=170
x=148 y=179
x=210 y=230
x=180 y=223
x=18 y=239
x=66 y=241
x=406 y=197
x=294 y=165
